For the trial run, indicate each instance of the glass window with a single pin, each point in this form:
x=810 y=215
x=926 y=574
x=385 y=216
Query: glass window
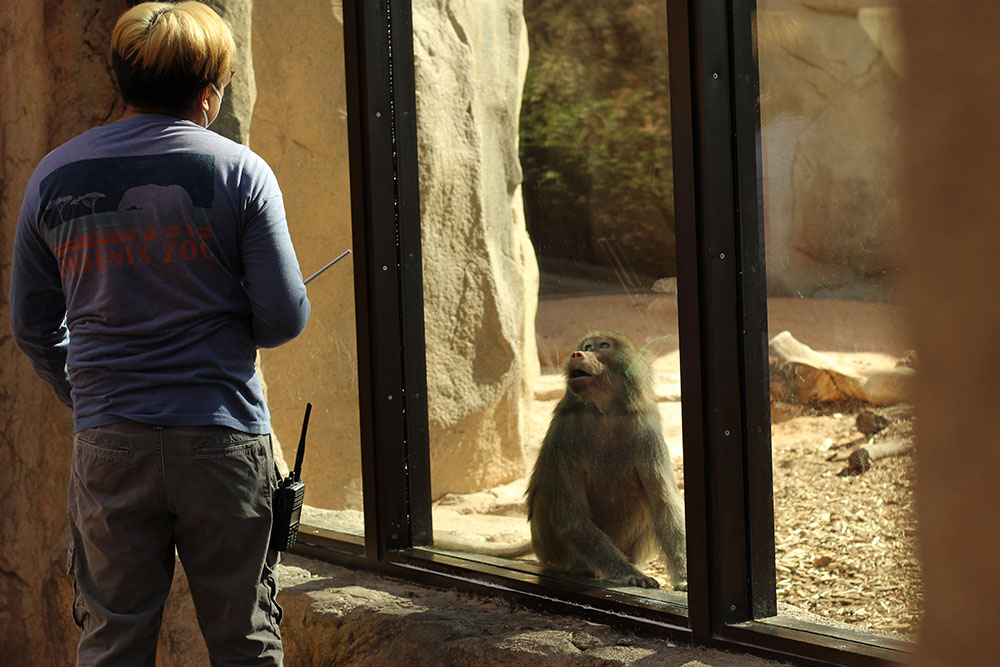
x=545 y=157
x=298 y=55
x=546 y=213
x=842 y=431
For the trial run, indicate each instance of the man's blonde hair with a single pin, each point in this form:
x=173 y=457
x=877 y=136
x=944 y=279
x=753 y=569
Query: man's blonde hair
x=164 y=53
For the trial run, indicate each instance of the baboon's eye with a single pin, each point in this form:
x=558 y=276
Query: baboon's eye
x=605 y=345
x=588 y=347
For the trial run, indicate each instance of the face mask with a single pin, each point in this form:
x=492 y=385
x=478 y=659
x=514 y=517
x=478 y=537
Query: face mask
x=203 y=113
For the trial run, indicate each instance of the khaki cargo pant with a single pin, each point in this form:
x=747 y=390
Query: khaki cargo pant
x=136 y=493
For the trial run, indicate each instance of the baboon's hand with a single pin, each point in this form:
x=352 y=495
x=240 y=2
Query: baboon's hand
x=642 y=581
x=681 y=585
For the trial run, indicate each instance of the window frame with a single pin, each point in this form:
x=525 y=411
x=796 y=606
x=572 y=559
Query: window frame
x=722 y=313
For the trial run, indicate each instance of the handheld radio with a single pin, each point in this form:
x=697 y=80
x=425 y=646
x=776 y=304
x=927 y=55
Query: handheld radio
x=286 y=506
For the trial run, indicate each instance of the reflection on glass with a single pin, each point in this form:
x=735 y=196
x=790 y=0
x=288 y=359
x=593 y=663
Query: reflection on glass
x=306 y=145
x=514 y=279
x=841 y=423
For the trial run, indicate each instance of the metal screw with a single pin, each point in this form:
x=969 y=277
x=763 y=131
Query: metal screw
x=722 y=255
x=732 y=608
x=390 y=397
x=727 y=432
x=715 y=75
x=378 y=114
x=385 y=268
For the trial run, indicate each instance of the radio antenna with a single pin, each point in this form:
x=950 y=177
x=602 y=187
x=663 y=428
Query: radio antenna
x=328 y=265
x=297 y=473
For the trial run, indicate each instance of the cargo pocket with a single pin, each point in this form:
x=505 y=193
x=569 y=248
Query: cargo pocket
x=270 y=582
x=80 y=614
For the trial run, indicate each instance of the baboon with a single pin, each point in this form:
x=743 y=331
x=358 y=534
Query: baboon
x=602 y=495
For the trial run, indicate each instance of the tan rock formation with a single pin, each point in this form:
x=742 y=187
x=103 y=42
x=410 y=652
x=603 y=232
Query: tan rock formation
x=56 y=83
x=300 y=128
x=480 y=275
x=828 y=114
x=804 y=376
x=237 y=106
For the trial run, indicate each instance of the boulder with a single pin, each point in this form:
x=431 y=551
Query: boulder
x=799 y=374
x=829 y=81
x=480 y=275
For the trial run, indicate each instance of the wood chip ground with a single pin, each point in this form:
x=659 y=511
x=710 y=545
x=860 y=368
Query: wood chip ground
x=846 y=546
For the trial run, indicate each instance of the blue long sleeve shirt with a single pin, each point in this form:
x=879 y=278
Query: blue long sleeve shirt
x=152 y=258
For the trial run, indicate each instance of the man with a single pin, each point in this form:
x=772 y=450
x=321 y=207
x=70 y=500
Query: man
x=152 y=259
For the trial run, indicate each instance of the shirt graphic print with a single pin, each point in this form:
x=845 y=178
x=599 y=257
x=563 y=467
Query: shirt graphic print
x=129 y=212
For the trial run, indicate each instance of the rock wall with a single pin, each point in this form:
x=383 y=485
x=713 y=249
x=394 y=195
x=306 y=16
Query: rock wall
x=829 y=104
x=241 y=93
x=56 y=79
x=300 y=128
x=56 y=83
x=480 y=276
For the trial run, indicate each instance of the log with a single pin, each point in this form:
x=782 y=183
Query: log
x=873 y=420
x=803 y=376
x=870 y=422
x=862 y=458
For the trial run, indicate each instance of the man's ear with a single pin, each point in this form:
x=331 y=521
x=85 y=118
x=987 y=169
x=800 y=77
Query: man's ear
x=203 y=97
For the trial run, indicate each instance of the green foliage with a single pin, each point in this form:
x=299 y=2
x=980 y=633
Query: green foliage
x=595 y=137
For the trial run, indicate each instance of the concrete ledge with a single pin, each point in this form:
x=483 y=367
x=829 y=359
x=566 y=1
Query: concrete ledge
x=335 y=616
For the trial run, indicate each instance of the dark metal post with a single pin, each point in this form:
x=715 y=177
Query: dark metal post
x=753 y=309
x=722 y=313
x=410 y=267
x=388 y=289
x=689 y=315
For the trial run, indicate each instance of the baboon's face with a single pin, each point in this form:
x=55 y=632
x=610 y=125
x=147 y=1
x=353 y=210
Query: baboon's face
x=589 y=369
